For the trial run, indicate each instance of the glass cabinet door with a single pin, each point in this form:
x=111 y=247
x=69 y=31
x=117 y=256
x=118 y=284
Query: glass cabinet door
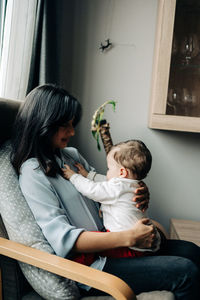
x=175 y=98
x=184 y=79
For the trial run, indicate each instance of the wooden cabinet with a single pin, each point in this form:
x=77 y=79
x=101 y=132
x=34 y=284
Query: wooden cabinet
x=175 y=94
x=185 y=230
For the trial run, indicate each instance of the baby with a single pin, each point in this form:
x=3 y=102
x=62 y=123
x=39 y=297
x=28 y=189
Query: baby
x=128 y=163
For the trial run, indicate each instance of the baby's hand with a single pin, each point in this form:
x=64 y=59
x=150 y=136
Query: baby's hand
x=81 y=170
x=67 y=172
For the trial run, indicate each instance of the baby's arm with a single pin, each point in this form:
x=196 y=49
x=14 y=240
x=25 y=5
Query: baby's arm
x=102 y=192
x=97 y=191
x=67 y=172
x=92 y=175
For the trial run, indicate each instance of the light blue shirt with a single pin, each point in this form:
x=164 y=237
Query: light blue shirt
x=59 y=209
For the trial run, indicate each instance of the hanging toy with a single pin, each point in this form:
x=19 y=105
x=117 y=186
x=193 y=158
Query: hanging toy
x=99 y=126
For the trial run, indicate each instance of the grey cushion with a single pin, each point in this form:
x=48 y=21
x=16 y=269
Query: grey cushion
x=34 y=296
x=156 y=295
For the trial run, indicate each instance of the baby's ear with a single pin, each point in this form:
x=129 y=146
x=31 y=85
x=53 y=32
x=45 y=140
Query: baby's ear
x=123 y=172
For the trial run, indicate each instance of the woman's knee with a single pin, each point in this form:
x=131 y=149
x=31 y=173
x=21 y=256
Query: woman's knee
x=182 y=249
x=183 y=267
x=191 y=268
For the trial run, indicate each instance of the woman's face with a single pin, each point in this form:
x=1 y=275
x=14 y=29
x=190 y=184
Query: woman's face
x=62 y=136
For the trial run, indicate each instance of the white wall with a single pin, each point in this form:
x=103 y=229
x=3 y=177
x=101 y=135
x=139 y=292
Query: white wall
x=124 y=74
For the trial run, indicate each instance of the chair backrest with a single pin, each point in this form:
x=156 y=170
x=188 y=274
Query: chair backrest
x=8 y=112
x=9 y=267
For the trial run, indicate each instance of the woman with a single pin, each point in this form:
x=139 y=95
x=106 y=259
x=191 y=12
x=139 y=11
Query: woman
x=69 y=221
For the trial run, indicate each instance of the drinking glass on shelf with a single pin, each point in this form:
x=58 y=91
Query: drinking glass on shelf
x=189 y=102
x=172 y=100
x=189 y=48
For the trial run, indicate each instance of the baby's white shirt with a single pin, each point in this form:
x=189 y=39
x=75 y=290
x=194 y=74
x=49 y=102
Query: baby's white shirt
x=116 y=198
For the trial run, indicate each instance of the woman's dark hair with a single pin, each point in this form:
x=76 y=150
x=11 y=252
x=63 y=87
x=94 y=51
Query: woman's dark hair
x=45 y=109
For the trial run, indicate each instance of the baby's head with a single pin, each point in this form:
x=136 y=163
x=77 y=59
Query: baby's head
x=130 y=159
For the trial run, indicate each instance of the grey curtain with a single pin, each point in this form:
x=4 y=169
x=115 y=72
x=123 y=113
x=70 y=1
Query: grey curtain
x=44 y=67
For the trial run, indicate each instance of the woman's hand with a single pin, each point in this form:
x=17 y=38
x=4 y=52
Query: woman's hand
x=81 y=170
x=142 y=197
x=142 y=235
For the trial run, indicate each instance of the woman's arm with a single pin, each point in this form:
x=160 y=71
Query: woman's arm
x=141 y=236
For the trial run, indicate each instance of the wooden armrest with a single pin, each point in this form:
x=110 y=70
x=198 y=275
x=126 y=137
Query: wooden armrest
x=100 y=280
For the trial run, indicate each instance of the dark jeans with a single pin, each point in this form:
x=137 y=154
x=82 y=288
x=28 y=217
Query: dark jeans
x=175 y=268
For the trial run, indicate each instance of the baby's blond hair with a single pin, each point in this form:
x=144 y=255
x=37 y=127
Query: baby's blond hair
x=133 y=155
